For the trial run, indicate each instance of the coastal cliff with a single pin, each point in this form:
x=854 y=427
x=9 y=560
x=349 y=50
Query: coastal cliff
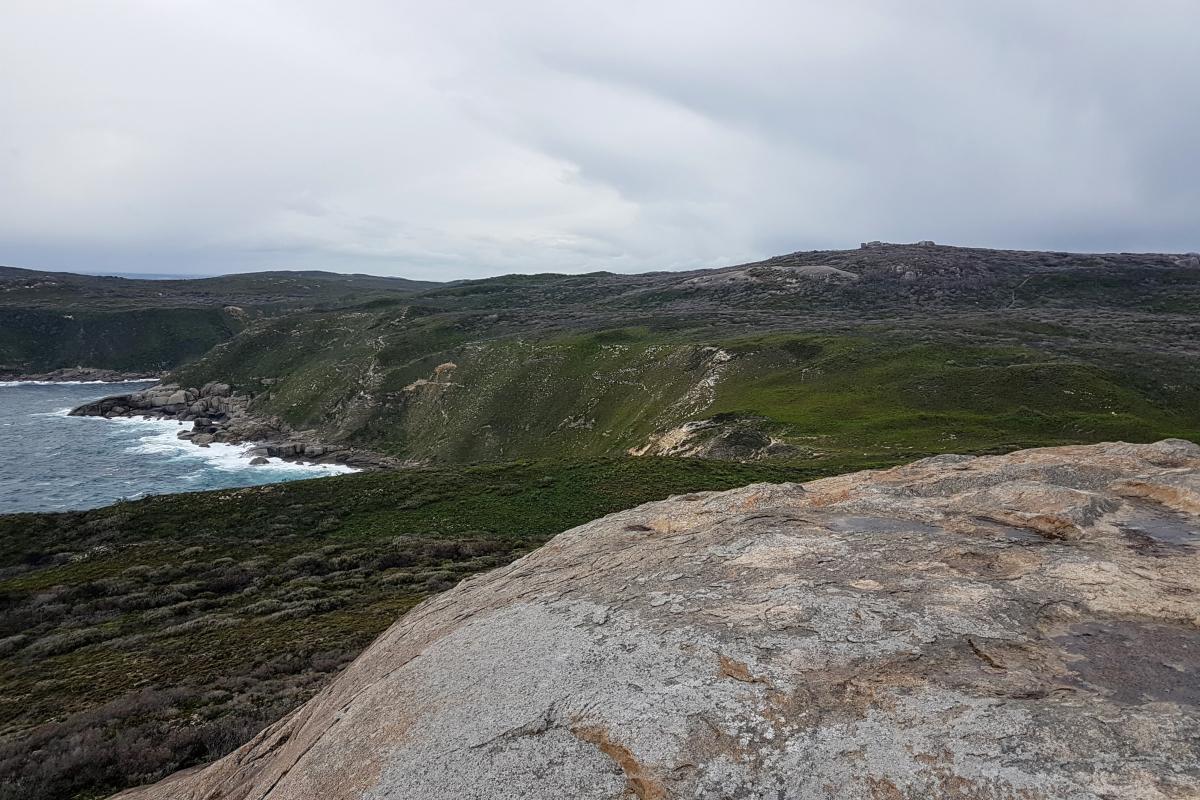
x=991 y=627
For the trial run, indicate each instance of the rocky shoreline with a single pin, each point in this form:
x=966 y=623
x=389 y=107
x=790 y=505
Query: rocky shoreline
x=218 y=413
x=81 y=375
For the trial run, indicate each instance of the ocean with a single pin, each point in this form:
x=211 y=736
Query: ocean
x=52 y=462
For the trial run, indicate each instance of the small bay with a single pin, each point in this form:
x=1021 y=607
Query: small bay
x=52 y=462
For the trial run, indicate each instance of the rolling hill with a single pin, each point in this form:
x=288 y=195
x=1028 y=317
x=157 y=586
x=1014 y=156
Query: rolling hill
x=893 y=350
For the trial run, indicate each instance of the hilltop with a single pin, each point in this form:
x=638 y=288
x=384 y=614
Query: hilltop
x=26 y=288
x=52 y=320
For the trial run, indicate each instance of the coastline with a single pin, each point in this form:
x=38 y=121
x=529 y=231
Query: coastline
x=62 y=463
x=34 y=382
x=220 y=416
x=219 y=455
x=78 y=375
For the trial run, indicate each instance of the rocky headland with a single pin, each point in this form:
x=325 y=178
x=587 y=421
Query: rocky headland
x=220 y=414
x=1019 y=626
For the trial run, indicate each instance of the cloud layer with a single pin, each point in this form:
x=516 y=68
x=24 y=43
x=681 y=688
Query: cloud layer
x=461 y=139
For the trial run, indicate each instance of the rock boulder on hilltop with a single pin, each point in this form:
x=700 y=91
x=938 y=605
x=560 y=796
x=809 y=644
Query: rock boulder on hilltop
x=1019 y=626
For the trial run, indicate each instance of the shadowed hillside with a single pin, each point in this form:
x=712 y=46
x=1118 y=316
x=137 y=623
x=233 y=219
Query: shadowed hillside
x=53 y=320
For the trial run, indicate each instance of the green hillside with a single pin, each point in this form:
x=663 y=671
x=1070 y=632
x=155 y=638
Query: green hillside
x=372 y=380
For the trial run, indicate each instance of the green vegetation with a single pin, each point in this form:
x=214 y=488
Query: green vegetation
x=909 y=351
x=50 y=320
x=150 y=340
x=888 y=391
x=144 y=637
x=885 y=394
x=282 y=289
x=147 y=636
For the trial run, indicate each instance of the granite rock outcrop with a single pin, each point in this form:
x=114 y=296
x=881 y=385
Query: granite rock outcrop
x=1018 y=626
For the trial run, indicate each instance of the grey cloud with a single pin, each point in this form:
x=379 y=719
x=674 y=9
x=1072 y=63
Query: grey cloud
x=462 y=139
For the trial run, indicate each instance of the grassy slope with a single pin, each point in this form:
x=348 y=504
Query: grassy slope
x=927 y=349
x=878 y=389
x=146 y=636
x=881 y=394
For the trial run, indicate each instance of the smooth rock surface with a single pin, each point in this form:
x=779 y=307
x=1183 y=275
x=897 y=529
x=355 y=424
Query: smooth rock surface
x=1017 y=627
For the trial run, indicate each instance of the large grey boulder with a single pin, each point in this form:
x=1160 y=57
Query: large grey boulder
x=1020 y=626
x=153 y=400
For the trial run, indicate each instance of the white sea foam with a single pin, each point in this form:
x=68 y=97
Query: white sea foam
x=72 y=383
x=58 y=412
x=161 y=440
x=57 y=462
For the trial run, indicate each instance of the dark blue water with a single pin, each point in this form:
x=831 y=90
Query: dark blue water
x=52 y=462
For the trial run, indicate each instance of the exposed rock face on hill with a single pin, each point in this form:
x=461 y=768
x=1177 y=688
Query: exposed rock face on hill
x=1022 y=626
x=726 y=437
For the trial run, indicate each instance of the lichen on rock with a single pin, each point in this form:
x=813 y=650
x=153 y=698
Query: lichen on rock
x=1019 y=626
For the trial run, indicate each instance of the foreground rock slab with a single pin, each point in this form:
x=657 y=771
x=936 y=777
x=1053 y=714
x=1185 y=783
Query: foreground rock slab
x=1021 y=626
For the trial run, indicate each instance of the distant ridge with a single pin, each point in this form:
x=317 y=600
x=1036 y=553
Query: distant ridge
x=146 y=276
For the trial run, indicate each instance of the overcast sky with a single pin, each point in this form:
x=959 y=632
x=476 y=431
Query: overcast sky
x=458 y=139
